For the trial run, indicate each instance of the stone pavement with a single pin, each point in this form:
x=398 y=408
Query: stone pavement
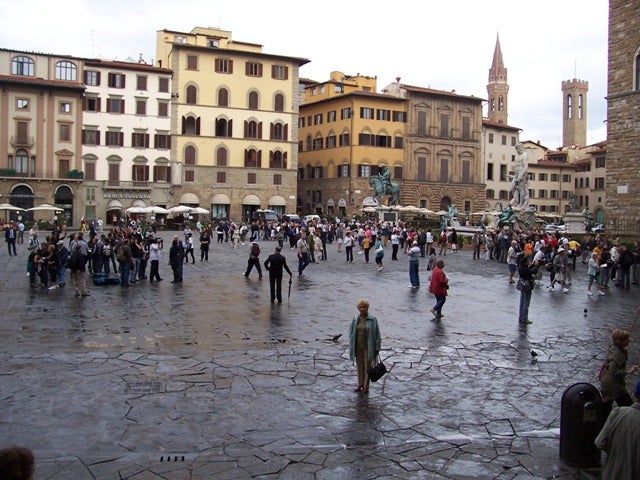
x=208 y=380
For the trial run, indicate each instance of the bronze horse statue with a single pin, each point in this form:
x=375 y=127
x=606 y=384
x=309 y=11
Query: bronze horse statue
x=379 y=189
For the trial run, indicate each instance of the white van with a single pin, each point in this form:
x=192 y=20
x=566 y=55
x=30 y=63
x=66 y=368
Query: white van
x=311 y=218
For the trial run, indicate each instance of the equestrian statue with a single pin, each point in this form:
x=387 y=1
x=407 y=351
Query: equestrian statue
x=382 y=185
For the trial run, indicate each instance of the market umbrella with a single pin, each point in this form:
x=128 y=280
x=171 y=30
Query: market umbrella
x=180 y=209
x=425 y=211
x=8 y=206
x=155 y=209
x=45 y=207
x=369 y=209
x=136 y=210
x=199 y=210
x=442 y=212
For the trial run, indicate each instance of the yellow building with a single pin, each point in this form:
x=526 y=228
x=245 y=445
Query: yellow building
x=347 y=132
x=234 y=120
x=40 y=133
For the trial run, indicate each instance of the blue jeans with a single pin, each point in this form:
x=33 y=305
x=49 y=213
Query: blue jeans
x=413 y=274
x=440 y=299
x=62 y=274
x=525 y=300
x=125 y=270
x=303 y=261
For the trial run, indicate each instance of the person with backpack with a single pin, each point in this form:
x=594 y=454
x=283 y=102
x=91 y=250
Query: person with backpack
x=254 y=260
x=125 y=261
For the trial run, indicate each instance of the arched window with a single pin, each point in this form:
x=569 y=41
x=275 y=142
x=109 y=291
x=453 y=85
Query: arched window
x=580 y=112
x=252 y=129
x=278 y=132
x=191 y=95
x=278 y=103
x=66 y=71
x=190 y=126
x=276 y=160
x=582 y=183
x=251 y=158
x=22 y=66
x=221 y=157
x=569 y=106
x=223 y=97
x=224 y=127
x=253 y=100
x=190 y=155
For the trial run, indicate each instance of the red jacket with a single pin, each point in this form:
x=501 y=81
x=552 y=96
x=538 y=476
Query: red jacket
x=439 y=282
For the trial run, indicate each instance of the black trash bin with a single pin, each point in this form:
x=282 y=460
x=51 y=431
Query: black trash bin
x=582 y=416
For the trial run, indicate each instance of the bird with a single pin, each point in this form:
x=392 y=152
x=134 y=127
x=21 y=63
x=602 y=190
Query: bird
x=586 y=312
x=335 y=338
x=534 y=354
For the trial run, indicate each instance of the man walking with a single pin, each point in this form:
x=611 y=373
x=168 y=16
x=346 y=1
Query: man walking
x=303 y=253
x=274 y=264
x=10 y=234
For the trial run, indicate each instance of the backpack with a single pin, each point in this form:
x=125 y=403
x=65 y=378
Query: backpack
x=120 y=255
x=255 y=250
x=106 y=251
x=63 y=256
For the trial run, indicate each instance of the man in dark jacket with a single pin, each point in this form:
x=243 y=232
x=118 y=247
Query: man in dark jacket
x=176 y=259
x=274 y=264
x=77 y=262
x=254 y=260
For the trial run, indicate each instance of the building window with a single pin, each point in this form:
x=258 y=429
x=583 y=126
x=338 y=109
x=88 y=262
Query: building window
x=554 y=177
x=221 y=177
x=140 y=140
x=224 y=127
x=364 y=170
x=331 y=141
x=141 y=107
x=489 y=171
x=504 y=139
x=163 y=85
x=66 y=71
x=600 y=162
x=223 y=65
x=163 y=109
x=278 y=103
x=345 y=113
x=89 y=171
x=398 y=116
x=189 y=176
x=253 y=69
x=91 y=137
x=344 y=139
x=444 y=125
x=444 y=170
x=141 y=82
x=276 y=160
x=277 y=179
x=114 y=139
x=542 y=177
x=21 y=164
x=252 y=158
x=65 y=107
x=278 y=131
x=331 y=116
x=253 y=100
x=223 y=97
x=489 y=194
x=114 y=173
x=398 y=142
x=252 y=129
x=397 y=173
x=280 y=72
x=92 y=78
x=140 y=173
x=63 y=167
x=318 y=143
x=503 y=173
x=116 y=80
x=22 y=104
x=491 y=138
x=366 y=112
x=252 y=178
x=317 y=119
x=92 y=104
x=222 y=156
x=191 y=95
x=466 y=128
x=65 y=132
x=382 y=114
x=513 y=141
x=190 y=125
x=161 y=173
x=115 y=105
x=192 y=62
x=162 y=140
x=189 y=155
x=22 y=66
x=599 y=183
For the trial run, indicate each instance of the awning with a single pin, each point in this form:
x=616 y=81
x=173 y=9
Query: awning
x=189 y=198
x=251 y=200
x=138 y=203
x=220 y=199
x=277 y=201
x=331 y=203
x=114 y=205
x=342 y=202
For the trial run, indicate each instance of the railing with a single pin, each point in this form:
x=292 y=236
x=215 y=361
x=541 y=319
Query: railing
x=126 y=185
x=22 y=141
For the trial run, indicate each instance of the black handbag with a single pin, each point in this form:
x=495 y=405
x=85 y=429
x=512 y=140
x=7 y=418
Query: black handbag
x=377 y=370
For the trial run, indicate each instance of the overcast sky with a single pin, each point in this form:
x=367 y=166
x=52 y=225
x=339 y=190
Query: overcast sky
x=428 y=43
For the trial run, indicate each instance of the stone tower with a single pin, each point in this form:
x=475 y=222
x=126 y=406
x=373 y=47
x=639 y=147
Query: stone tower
x=498 y=88
x=574 y=112
x=623 y=120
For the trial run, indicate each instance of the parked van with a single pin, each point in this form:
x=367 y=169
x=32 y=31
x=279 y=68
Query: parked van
x=311 y=218
x=291 y=217
x=265 y=215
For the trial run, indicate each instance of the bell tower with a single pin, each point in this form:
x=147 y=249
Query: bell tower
x=498 y=88
x=574 y=112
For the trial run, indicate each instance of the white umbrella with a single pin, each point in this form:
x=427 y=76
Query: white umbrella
x=369 y=209
x=8 y=206
x=180 y=209
x=442 y=212
x=136 y=210
x=199 y=210
x=45 y=207
x=426 y=211
x=155 y=209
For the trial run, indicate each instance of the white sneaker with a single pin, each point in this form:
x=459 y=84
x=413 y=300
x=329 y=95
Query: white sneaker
x=565 y=290
x=590 y=294
x=600 y=292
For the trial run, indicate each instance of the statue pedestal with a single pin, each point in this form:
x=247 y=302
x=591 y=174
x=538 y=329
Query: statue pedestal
x=574 y=222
